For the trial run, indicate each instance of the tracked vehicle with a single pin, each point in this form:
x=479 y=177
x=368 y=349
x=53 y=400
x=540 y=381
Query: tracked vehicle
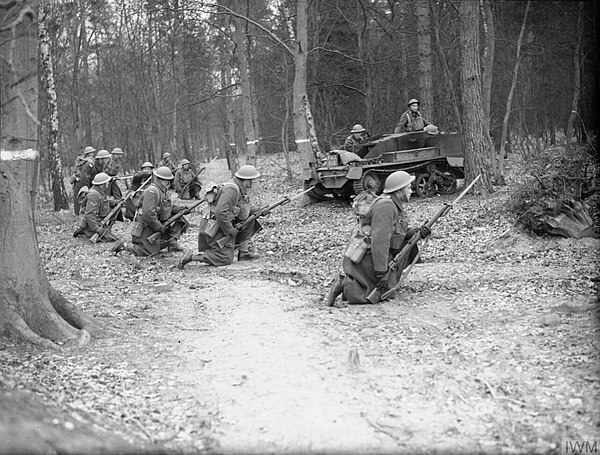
x=435 y=160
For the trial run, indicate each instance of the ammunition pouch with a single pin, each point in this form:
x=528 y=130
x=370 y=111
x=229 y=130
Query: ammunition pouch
x=136 y=229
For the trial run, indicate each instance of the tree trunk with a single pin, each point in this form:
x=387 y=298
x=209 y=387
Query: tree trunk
x=576 y=78
x=251 y=140
x=512 y=92
x=473 y=133
x=61 y=200
x=301 y=105
x=29 y=306
x=425 y=66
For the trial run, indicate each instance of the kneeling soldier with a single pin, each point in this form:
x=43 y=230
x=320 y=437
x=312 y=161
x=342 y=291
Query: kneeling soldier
x=230 y=207
x=156 y=209
x=97 y=206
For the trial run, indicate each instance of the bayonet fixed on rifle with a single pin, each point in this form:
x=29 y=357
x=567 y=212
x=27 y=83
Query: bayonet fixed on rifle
x=260 y=213
x=171 y=221
x=109 y=219
x=375 y=296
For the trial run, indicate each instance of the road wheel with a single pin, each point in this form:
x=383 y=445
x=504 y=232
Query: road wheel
x=421 y=184
x=369 y=181
x=318 y=193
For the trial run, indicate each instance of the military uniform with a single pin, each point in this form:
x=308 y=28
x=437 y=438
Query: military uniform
x=411 y=121
x=97 y=207
x=230 y=207
x=385 y=229
x=156 y=209
x=182 y=178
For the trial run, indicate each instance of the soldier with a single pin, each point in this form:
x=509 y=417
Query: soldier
x=168 y=161
x=97 y=206
x=100 y=164
x=230 y=206
x=81 y=200
x=358 y=136
x=114 y=168
x=411 y=120
x=156 y=209
x=135 y=203
x=82 y=178
x=187 y=184
x=383 y=233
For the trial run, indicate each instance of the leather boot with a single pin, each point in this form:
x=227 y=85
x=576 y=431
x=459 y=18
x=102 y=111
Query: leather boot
x=247 y=256
x=174 y=247
x=118 y=246
x=336 y=289
x=184 y=259
x=78 y=232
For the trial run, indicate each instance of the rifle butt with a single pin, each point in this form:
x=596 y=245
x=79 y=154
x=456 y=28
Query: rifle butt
x=153 y=238
x=374 y=296
x=94 y=238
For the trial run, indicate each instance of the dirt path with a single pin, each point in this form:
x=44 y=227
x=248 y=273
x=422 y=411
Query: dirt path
x=277 y=384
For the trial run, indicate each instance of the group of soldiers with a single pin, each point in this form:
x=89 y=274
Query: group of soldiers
x=228 y=225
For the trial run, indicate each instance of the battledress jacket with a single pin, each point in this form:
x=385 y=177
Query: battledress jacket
x=411 y=121
x=230 y=207
x=387 y=223
x=97 y=206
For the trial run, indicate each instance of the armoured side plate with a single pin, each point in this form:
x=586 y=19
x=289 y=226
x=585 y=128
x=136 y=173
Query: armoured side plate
x=354 y=173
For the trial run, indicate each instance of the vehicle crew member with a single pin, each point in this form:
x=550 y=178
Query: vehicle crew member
x=156 y=209
x=230 y=207
x=411 y=120
x=385 y=230
x=358 y=136
x=97 y=206
x=186 y=175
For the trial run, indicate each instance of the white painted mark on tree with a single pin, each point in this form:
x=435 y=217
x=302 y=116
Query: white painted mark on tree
x=12 y=155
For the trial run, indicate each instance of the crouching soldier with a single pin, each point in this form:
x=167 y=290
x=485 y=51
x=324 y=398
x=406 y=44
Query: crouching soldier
x=230 y=207
x=157 y=208
x=97 y=206
x=382 y=233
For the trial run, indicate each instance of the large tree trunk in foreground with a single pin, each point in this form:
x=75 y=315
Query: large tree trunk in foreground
x=29 y=306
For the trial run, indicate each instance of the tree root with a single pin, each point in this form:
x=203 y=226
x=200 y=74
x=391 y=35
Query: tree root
x=17 y=326
x=70 y=313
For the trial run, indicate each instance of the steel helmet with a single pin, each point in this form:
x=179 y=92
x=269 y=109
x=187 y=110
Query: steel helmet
x=431 y=129
x=358 y=128
x=83 y=189
x=166 y=155
x=184 y=161
x=101 y=178
x=88 y=150
x=164 y=173
x=397 y=181
x=117 y=151
x=103 y=154
x=147 y=164
x=413 y=101
x=247 y=172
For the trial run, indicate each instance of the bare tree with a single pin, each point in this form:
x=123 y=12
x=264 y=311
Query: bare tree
x=576 y=78
x=474 y=124
x=425 y=64
x=29 y=306
x=61 y=200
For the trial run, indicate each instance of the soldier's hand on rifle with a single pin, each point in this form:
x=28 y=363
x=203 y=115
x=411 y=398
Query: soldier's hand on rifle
x=162 y=228
x=424 y=231
x=382 y=282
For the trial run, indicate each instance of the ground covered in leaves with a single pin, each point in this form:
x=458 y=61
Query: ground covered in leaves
x=492 y=346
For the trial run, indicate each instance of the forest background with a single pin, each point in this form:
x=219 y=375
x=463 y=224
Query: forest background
x=200 y=79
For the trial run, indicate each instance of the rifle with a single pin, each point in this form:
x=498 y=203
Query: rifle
x=195 y=175
x=108 y=221
x=171 y=221
x=261 y=212
x=375 y=296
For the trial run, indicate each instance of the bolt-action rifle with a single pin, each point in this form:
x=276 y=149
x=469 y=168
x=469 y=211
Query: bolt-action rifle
x=187 y=185
x=375 y=296
x=109 y=219
x=260 y=213
x=171 y=221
